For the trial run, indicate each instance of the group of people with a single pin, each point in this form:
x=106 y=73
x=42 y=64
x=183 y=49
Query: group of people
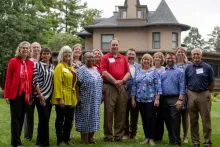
x=77 y=87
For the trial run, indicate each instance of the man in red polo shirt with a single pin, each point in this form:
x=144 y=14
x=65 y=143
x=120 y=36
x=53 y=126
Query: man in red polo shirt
x=115 y=70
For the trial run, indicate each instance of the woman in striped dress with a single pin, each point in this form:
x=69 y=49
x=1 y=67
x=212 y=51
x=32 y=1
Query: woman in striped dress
x=43 y=84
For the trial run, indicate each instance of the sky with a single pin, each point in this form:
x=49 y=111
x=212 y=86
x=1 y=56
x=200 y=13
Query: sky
x=203 y=14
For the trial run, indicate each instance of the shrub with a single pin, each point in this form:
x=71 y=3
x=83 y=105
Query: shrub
x=1 y=93
x=214 y=99
x=216 y=93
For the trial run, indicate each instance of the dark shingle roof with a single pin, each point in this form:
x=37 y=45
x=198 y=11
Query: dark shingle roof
x=163 y=14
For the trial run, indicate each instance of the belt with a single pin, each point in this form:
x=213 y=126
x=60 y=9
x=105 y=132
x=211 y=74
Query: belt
x=171 y=95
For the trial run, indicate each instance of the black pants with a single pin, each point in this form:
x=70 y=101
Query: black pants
x=159 y=127
x=63 y=124
x=131 y=126
x=148 y=115
x=29 y=121
x=17 y=108
x=43 y=122
x=172 y=119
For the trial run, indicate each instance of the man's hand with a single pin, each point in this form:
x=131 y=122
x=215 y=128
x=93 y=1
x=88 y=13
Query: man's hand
x=133 y=103
x=118 y=83
x=178 y=104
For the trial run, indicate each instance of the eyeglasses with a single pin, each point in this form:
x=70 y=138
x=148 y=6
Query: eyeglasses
x=24 y=48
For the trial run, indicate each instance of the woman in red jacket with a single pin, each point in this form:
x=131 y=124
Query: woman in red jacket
x=18 y=89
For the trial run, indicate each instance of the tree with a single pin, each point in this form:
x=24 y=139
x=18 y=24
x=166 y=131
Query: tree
x=70 y=15
x=214 y=39
x=59 y=40
x=194 y=39
x=89 y=15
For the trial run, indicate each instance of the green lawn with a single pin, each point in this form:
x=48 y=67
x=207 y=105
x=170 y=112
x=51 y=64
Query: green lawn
x=5 y=131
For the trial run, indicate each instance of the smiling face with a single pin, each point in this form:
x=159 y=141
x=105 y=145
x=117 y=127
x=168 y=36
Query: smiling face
x=77 y=52
x=158 y=59
x=89 y=60
x=36 y=50
x=46 y=56
x=67 y=56
x=131 y=55
x=170 y=59
x=181 y=55
x=24 y=50
x=114 y=46
x=196 y=56
x=97 y=55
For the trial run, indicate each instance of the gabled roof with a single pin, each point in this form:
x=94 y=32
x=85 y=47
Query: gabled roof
x=163 y=14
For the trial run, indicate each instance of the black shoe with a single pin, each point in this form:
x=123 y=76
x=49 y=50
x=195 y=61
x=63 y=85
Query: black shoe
x=118 y=139
x=196 y=145
x=108 y=139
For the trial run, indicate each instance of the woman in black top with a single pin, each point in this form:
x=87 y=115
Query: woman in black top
x=43 y=84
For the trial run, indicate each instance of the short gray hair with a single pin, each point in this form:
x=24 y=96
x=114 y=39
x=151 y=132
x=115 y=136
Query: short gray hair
x=62 y=50
x=197 y=49
x=87 y=54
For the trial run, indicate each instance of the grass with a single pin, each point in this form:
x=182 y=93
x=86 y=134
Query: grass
x=5 y=134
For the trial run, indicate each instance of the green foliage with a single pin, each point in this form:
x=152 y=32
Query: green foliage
x=214 y=39
x=59 y=40
x=52 y=23
x=1 y=93
x=216 y=93
x=194 y=39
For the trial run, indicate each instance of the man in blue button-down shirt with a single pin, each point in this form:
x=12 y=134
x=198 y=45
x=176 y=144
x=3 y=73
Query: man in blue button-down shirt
x=130 y=128
x=200 y=84
x=173 y=86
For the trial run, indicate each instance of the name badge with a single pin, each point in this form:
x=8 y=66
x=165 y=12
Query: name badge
x=111 y=60
x=65 y=70
x=199 y=71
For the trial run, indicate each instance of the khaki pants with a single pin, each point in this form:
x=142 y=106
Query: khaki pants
x=115 y=104
x=200 y=102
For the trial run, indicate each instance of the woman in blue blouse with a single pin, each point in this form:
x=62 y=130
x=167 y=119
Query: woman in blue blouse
x=147 y=90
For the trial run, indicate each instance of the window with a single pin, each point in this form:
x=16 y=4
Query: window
x=156 y=40
x=174 y=40
x=124 y=14
x=139 y=14
x=105 y=41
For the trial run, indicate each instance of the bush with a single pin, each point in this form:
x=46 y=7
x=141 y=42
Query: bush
x=214 y=99
x=216 y=93
x=1 y=93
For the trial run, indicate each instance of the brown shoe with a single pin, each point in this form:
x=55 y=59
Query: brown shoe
x=84 y=138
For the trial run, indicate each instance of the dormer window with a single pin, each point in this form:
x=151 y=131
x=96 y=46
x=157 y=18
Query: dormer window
x=139 y=14
x=124 y=14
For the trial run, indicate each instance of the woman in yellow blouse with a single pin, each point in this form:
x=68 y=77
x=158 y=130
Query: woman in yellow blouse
x=64 y=95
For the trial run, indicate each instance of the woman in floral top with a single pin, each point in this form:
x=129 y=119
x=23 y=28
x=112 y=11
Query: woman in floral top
x=147 y=90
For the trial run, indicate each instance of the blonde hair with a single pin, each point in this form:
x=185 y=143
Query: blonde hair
x=147 y=56
x=93 y=51
x=76 y=45
x=161 y=55
x=185 y=57
x=18 y=53
x=62 y=50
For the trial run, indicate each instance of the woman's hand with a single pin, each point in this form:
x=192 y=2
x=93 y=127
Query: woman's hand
x=133 y=103
x=42 y=100
x=7 y=100
x=61 y=103
x=156 y=103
